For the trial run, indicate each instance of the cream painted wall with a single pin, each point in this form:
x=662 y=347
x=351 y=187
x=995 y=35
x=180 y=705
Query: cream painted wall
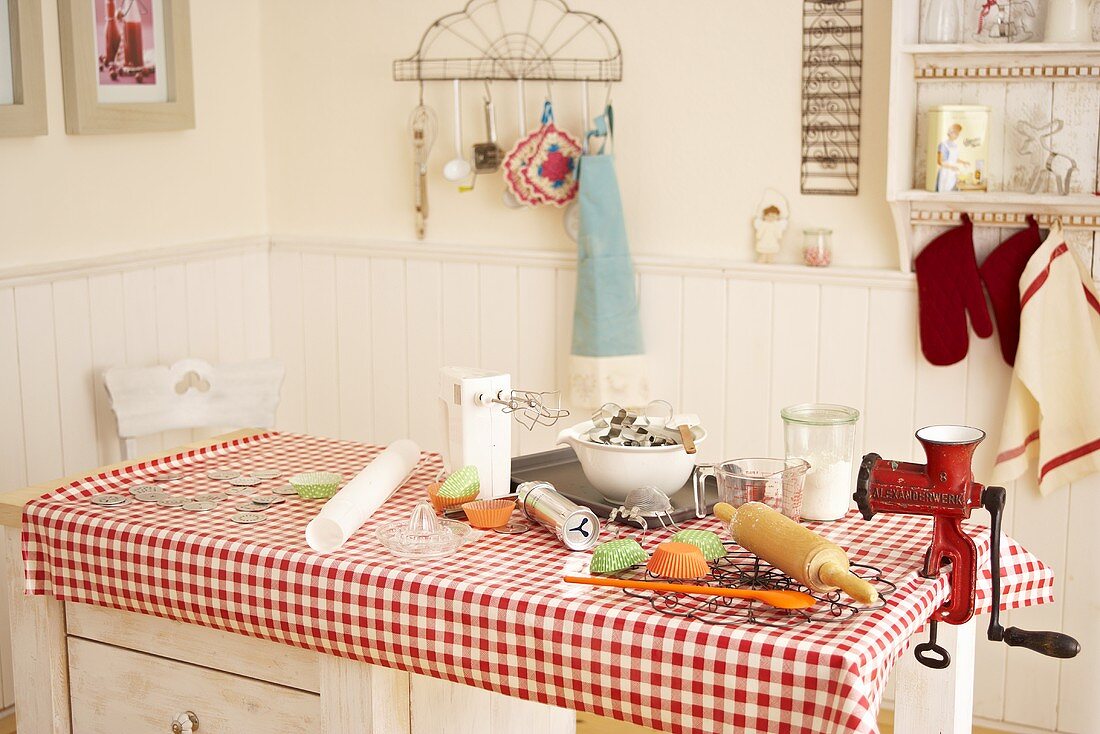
x=708 y=115
x=67 y=196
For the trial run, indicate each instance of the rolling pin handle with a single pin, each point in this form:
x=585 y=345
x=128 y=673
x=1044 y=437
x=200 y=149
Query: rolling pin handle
x=724 y=512
x=833 y=574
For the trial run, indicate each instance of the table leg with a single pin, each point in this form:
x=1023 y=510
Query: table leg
x=40 y=658
x=942 y=701
x=363 y=698
x=442 y=706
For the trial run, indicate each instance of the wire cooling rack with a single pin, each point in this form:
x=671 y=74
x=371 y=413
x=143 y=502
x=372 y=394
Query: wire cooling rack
x=743 y=570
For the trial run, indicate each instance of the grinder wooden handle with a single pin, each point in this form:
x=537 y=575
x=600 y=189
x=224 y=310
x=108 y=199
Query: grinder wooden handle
x=795 y=550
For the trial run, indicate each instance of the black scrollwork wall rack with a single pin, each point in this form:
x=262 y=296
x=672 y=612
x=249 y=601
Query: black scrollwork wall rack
x=832 y=70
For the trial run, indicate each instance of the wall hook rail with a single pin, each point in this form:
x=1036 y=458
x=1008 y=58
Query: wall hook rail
x=508 y=40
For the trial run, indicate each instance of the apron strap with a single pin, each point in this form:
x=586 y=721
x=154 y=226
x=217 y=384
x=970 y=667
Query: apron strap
x=605 y=129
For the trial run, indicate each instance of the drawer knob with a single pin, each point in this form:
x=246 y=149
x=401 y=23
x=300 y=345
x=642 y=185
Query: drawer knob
x=185 y=722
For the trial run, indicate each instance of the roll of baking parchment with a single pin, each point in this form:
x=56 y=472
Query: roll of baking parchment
x=356 y=502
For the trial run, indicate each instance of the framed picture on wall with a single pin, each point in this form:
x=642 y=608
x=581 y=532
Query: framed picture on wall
x=126 y=65
x=22 y=79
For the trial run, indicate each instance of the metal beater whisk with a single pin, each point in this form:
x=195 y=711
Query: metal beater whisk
x=531 y=408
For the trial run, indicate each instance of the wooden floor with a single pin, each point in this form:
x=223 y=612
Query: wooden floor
x=589 y=724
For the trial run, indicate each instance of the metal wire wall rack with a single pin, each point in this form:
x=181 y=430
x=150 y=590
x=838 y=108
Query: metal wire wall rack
x=513 y=40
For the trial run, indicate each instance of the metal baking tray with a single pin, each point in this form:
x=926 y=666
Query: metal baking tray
x=561 y=468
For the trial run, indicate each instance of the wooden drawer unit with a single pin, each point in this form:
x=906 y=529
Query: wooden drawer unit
x=189 y=643
x=116 y=690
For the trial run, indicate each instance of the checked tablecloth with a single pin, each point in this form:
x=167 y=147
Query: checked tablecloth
x=494 y=615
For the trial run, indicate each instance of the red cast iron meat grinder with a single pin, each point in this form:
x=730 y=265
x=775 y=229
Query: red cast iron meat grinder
x=945 y=489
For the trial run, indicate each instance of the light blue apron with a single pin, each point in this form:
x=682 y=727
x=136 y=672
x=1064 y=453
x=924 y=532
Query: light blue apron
x=605 y=317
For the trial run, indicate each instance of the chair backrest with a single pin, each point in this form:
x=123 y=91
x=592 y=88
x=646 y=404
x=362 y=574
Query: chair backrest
x=193 y=394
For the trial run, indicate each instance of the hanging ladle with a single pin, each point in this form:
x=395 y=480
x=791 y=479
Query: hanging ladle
x=458 y=168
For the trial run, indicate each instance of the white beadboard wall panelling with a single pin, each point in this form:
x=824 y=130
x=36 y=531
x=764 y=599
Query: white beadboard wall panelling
x=139 y=294
x=75 y=376
x=1079 y=679
x=661 y=309
x=108 y=334
x=702 y=360
x=38 y=379
x=287 y=337
x=749 y=337
x=170 y=282
x=136 y=260
x=537 y=344
x=424 y=309
x=319 y=343
x=499 y=326
x=795 y=318
x=353 y=343
x=13 y=457
x=390 y=349
x=68 y=322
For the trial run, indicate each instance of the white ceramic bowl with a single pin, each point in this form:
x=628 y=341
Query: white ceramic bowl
x=616 y=470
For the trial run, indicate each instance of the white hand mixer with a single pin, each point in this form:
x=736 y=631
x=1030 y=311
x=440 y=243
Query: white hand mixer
x=478 y=408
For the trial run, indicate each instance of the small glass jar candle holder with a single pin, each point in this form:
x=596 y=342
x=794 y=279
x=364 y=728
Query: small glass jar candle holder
x=817 y=247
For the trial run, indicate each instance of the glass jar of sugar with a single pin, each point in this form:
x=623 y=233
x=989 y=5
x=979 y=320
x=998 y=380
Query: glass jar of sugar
x=823 y=435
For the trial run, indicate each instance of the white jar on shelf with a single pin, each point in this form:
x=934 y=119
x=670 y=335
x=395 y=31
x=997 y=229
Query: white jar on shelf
x=942 y=22
x=1069 y=21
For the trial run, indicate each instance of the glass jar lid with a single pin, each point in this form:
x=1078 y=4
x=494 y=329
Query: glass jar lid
x=819 y=414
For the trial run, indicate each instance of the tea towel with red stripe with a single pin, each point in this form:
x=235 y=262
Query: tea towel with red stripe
x=1053 y=409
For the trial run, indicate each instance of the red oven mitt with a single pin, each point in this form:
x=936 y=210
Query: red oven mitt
x=1001 y=273
x=948 y=286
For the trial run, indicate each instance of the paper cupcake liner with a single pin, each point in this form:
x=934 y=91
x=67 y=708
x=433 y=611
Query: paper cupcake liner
x=706 y=541
x=442 y=503
x=488 y=514
x=461 y=484
x=616 y=555
x=678 y=561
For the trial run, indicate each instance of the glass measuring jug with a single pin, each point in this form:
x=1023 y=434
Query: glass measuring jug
x=775 y=482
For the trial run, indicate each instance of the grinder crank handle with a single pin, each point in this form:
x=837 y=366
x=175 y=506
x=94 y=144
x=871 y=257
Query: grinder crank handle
x=1051 y=644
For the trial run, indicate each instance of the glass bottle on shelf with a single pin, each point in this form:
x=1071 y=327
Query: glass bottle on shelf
x=942 y=22
x=817 y=250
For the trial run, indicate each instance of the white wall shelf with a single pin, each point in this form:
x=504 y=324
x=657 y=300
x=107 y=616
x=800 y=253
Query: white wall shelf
x=1003 y=61
x=1033 y=81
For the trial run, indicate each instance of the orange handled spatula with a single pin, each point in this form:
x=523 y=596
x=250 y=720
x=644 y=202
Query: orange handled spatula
x=779 y=599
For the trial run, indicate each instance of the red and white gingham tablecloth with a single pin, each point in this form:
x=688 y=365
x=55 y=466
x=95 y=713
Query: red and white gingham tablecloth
x=495 y=615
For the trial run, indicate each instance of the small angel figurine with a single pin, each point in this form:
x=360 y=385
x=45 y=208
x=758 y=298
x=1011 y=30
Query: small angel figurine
x=770 y=224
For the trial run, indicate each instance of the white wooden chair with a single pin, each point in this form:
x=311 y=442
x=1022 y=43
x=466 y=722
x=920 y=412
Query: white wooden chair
x=192 y=394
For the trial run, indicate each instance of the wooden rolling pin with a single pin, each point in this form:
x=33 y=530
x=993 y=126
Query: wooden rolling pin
x=795 y=550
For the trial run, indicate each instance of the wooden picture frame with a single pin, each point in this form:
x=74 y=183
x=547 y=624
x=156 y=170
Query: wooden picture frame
x=26 y=116
x=85 y=113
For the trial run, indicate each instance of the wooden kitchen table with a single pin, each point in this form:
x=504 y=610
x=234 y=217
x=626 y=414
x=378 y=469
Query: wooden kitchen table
x=85 y=668
x=89 y=669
